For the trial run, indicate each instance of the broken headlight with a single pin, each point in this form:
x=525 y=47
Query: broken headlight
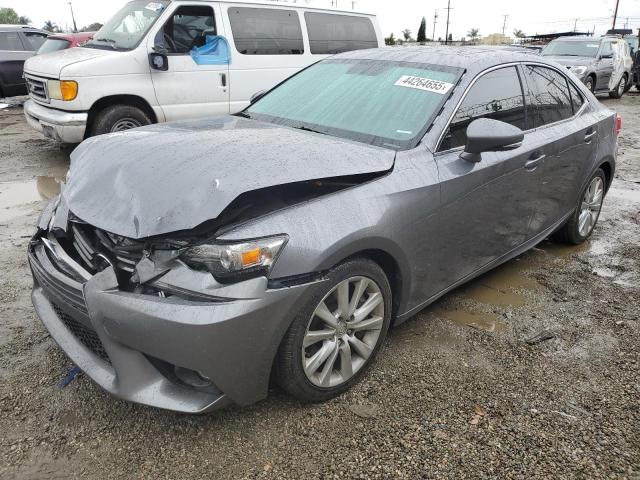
x=242 y=259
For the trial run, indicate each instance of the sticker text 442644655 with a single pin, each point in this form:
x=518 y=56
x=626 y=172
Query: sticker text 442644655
x=421 y=83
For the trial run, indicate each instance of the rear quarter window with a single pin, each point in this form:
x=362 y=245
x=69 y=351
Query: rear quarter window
x=266 y=31
x=10 y=41
x=330 y=34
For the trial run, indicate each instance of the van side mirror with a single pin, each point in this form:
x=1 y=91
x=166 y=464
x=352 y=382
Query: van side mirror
x=158 y=59
x=257 y=96
x=486 y=135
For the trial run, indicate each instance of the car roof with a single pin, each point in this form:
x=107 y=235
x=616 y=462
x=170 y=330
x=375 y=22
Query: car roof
x=12 y=28
x=468 y=58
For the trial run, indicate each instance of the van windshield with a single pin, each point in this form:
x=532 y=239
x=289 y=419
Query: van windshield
x=587 y=48
x=126 y=29
x=383 y=103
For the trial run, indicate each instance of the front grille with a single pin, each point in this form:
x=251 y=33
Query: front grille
x=37 y=89
x=87 y=336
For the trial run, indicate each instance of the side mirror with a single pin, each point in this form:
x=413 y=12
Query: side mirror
x=486 y=135
x=257 y=96
x=158 y=59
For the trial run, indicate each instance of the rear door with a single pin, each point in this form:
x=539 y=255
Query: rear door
x=564 y=134
x=487 y=206
x=12 y=56
x=189 y=89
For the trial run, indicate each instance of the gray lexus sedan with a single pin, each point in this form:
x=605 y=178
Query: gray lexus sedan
x=185 y=265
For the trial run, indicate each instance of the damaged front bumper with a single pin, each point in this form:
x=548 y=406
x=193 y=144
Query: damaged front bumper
x=188 y=354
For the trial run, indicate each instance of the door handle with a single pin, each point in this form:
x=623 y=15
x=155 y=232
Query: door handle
x=589 y=136
x=223 y=80
x=534 y=161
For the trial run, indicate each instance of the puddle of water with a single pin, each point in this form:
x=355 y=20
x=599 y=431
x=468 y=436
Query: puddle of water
x=16 y=196
x=596 y=246
x=488 y=322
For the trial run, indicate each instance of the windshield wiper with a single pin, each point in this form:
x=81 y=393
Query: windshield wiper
x=110 y=41
x=243 y=115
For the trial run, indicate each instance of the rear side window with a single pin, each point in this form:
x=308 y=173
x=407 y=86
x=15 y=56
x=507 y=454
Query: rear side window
x=329 y=34
x=35 y=39
x=550 y=100
x=576 y=98
x=10 y=41
x=266 y=31
x=496 y=95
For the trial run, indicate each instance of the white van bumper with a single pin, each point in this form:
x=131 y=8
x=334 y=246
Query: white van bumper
x=65 y=127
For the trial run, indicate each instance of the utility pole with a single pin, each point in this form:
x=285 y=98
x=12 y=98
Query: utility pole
x=615 y=14
x=575 y=25
x=504 y=24
x=446 y=35
x=75 y=27
x=435 y=20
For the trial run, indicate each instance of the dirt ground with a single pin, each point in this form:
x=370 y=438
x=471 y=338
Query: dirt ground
x=457 y=391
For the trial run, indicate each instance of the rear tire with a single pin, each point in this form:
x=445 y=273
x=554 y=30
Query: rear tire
x=349 y=347
x=586 y=213
x=117 y=118
x=618 y=92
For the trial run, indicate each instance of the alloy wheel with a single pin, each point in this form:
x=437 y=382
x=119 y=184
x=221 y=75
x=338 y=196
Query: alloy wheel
x=343 y=332
x=591 y=206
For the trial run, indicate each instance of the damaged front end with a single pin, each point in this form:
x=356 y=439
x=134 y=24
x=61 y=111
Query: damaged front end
x=177 y=322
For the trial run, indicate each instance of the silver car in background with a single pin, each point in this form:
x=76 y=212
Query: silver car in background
x=184 y=265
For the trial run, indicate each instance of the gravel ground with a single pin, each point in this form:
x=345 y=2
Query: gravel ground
x=457 y=391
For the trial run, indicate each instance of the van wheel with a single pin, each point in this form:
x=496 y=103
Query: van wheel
x=581 y=224
x=337 y=333
x=117 y=118
x=620 y=88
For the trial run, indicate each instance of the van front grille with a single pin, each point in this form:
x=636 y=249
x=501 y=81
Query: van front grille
x=37 y=89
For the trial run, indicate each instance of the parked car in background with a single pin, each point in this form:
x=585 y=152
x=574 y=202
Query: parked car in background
x=603 y=64
x=170 y=60
x=17 y=44
x=62 y=41
x=187 y=264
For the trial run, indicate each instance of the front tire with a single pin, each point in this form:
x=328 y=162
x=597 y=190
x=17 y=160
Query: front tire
x=590 y=83
x=117 y=118
x=581 y=224
x=337 y=334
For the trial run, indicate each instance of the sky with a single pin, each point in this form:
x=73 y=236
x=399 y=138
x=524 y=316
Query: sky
x=540 y=16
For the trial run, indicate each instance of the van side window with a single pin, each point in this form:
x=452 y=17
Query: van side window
x=549 y=100
x=187 y=28
x=329 y=34
x=496 y=95
x=266 y=31
x=10 y=41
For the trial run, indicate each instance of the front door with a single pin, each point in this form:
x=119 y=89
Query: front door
x=487 y=207
x=190 y=89
x=604 y=67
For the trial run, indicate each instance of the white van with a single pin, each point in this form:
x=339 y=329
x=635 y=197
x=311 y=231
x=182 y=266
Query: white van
x=164 y=60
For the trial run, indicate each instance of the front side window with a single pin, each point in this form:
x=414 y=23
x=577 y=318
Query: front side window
x=187 y=28
x=549 y=98
x=389 y=104
x=10 y=41
x=35 y=39
x=126 y=29
x=266 y=31
x=496 y=95
x=331 y=34
x=607 y=49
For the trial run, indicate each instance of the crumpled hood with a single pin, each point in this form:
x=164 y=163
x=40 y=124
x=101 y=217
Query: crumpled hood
x=571 y=61
x=50 y=65
x=164 y=178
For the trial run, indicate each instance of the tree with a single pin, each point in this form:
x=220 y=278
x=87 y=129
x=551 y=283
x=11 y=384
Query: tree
x=8 y=16
x=422 y=31
x=519 y=33
x=473 y=34
x=406 y=33
x=94 y=27
x=390 y=40
x=49 y=26
x=24 y=20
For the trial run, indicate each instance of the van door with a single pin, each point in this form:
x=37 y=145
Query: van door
x=189 y=89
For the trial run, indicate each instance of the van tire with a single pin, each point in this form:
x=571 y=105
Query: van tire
x=117 y=118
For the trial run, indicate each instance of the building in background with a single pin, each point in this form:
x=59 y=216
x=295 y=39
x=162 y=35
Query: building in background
x=495 y=39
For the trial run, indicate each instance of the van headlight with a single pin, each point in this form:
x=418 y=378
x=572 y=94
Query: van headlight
x=65 y=90
x=578 y=69
x=236 y=259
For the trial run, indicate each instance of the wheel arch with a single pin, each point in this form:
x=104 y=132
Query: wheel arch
x=110 y=100
x=607 y=168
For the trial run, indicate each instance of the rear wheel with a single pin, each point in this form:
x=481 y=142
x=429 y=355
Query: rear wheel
x=581 y=224
x=337 y=334
x=620 y=88
x=117 y=118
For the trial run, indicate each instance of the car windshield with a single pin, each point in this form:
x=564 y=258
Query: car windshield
x=53 y=45
x=127 y=28
x=389 y=104
x=587 y=48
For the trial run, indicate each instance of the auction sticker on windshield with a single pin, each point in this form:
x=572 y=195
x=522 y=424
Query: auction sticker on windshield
x=421 y=83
